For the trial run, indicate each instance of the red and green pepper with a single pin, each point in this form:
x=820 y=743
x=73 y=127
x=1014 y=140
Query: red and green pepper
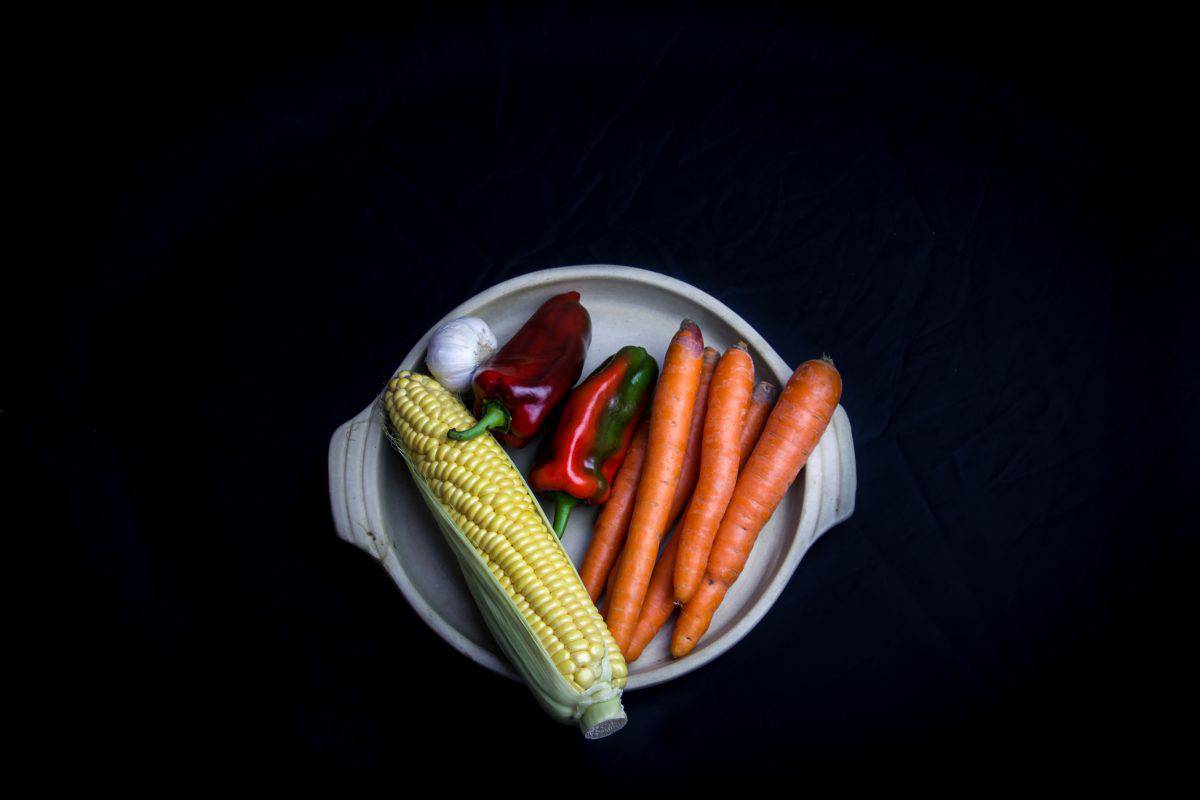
x=519 y=386
x=578 y=462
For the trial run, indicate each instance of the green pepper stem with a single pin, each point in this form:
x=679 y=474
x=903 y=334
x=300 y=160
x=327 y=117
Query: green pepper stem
x=563 y=503
x=494 y=416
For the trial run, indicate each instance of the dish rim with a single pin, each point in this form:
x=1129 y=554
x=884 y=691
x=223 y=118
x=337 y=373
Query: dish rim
x=372 y=499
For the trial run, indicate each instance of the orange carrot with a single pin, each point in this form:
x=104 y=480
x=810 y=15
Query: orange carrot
x=602 y=606
x=670 y=416
x=691 y=457
x=756 y=417
x=728 y=399
x=612 y=523
x=792 y=431
x=612 y=576
x=660 y=599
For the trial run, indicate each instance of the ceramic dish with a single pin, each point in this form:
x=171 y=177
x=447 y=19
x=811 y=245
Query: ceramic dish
x=377 y=507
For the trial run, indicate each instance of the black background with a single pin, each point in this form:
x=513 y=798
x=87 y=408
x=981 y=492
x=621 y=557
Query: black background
x=985 y=217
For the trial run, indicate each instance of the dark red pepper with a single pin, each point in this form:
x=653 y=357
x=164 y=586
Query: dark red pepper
x=578 y=462
x=518 y=387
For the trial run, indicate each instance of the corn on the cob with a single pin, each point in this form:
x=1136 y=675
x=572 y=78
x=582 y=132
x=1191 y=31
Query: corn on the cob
x=530 y=594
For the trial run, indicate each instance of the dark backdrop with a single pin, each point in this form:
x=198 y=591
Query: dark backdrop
x=986 y=218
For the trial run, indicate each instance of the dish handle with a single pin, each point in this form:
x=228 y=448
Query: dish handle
x=839 y=473
x=347 y=460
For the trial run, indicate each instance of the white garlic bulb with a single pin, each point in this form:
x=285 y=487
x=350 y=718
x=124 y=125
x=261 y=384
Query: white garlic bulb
x=456 y=349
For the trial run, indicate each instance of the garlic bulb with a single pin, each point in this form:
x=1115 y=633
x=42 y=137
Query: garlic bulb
x=456 y=349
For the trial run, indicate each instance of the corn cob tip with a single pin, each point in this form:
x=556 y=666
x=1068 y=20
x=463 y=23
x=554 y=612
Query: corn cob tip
x=603 y=719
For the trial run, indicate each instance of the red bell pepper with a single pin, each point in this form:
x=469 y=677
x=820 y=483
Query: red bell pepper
x=578 y=462
x=518 y=387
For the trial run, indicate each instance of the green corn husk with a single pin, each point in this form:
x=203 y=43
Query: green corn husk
x=597 y=710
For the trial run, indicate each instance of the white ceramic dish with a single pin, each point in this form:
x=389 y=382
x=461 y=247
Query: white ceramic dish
x=376 y=507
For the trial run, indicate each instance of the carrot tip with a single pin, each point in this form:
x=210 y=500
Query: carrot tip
x=740 y=346
x=690 y=336
x=825 y=357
